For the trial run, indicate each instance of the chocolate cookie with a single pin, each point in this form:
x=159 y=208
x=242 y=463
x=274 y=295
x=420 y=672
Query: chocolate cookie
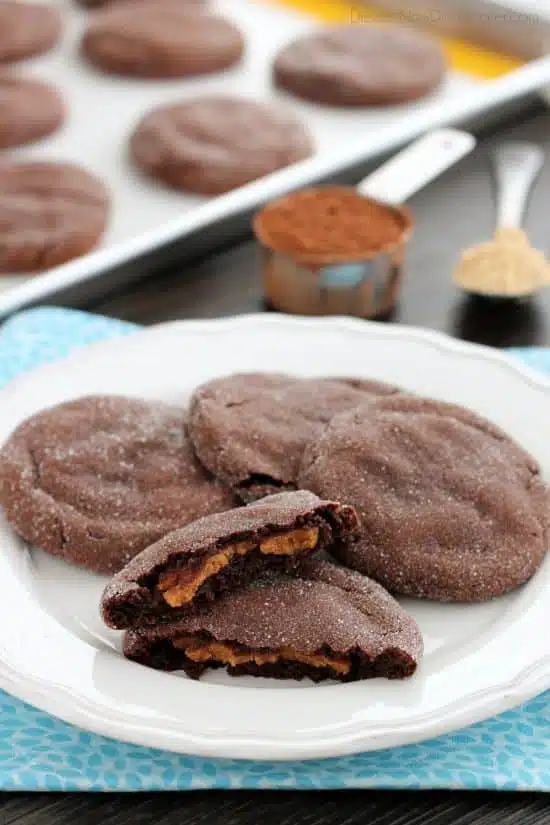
x=214 y=144
x=250 y=430
x=98 y=479
x=188 y=568
x=29 y=110
x=49 y=214
x=361 y=65
x=161 y=38
x=321 y=623
x=27 y=29
x=451 y=507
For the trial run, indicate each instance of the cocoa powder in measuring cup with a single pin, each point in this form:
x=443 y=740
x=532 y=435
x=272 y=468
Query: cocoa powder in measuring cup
x=330 y=222
x=331 y=251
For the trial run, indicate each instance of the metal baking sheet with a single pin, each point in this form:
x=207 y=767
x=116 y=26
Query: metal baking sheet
x=153 y=227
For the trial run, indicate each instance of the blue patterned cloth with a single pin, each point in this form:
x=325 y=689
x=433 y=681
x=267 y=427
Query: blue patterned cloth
x=38 y=752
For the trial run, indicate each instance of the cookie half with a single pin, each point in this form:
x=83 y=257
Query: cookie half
x=361 y=65
x=322 y=623
x=250 y=430
x=190 y=567
x=214 y=144
x=97 y=480
x=451 y=507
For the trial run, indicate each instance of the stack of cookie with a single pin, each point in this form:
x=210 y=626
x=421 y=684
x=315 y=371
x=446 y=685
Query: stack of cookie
x=258 y=529
x=246 y=590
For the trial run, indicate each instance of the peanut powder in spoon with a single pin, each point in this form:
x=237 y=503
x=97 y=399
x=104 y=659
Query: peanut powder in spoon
x=505 y=266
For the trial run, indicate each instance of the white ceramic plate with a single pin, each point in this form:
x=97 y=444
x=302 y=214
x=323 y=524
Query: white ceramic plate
x=479 y=660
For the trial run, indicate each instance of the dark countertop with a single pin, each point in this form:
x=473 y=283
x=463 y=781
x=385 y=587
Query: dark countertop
x=276 y=808
x=453 y=213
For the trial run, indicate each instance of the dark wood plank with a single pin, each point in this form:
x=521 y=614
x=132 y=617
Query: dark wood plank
x=272 y=808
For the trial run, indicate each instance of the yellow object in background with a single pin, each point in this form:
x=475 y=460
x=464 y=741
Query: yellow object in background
x=463 y=57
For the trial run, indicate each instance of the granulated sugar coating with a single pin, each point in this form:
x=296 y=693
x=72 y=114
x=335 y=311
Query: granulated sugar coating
x=250 y=430
x=223 y=551
x=322 y=622
x=96 y=480
x=451 y=508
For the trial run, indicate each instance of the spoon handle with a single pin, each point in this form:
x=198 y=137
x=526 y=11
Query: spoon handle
x=516 y=167
x=414 y=167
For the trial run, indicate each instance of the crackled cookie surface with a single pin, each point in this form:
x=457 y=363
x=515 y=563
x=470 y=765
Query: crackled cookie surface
x=451 y=507
x=98 y=479
x=250 y=430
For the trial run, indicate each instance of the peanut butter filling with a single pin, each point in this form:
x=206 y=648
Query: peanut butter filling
x=178 y=588
x=294 y=541
x=220 y=652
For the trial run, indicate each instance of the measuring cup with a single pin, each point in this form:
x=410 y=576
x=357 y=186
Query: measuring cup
x=365 y=285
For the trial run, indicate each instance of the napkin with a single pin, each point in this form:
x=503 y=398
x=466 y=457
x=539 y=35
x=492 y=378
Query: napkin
x=39 y=752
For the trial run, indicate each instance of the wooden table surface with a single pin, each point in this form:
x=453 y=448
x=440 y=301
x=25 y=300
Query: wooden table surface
x=451 y=214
